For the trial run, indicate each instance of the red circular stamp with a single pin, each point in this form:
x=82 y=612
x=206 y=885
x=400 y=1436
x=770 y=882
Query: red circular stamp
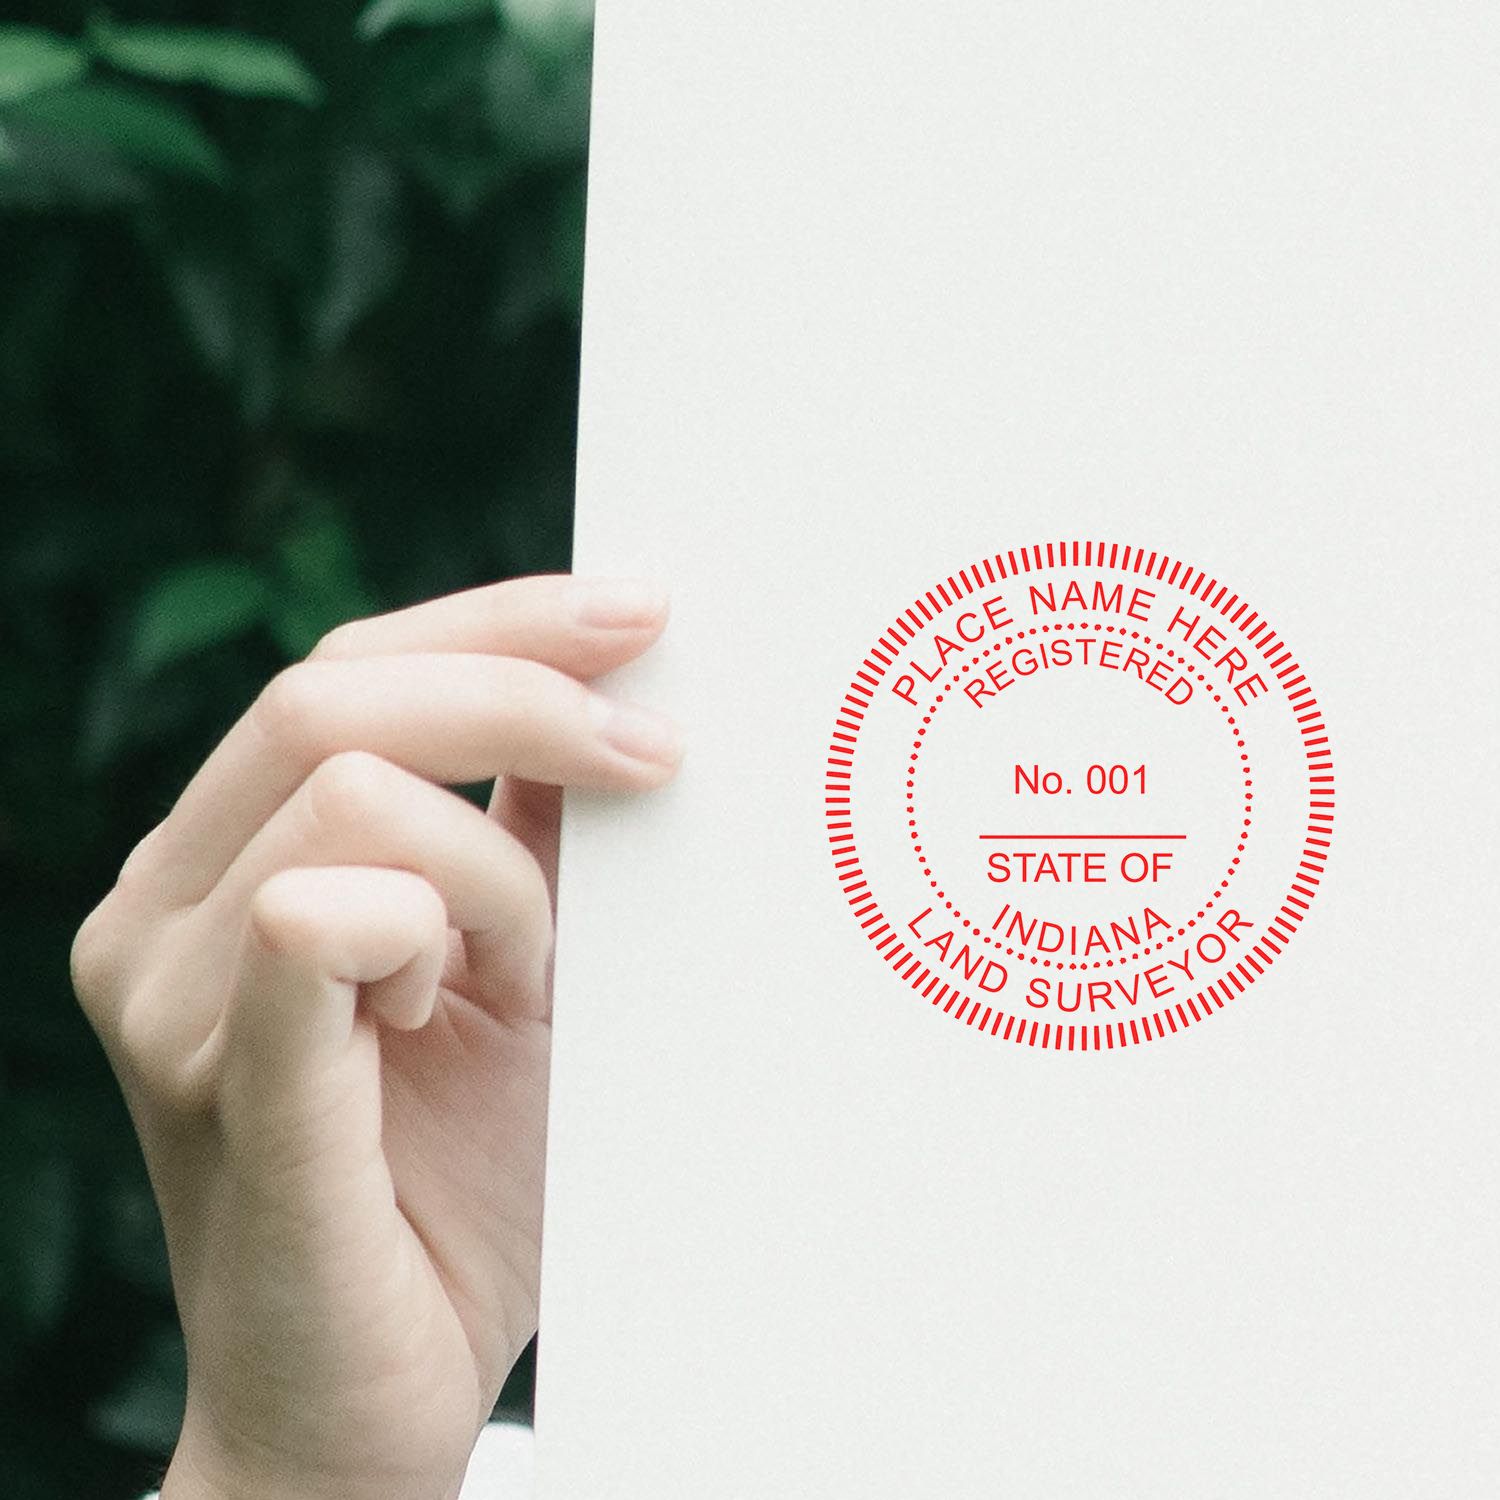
x=1079 y=796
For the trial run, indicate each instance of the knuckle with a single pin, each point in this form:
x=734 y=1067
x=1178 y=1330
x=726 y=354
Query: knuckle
x=280 y=915
x=289 y=709
x=112 y=952
x=92 y=959
x=340 y=641
x=138 y=873
x=348 y=788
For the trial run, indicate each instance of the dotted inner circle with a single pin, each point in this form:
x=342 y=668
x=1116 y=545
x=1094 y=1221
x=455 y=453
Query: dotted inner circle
x=936 y=985
x=911 y=816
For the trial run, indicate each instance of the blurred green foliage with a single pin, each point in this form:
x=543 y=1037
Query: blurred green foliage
x=288 y=334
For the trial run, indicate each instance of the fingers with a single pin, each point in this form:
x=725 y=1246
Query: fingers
x=356 y=809
x=581 y=626
x=313 y=936
x=577 y=626
x=451 y=718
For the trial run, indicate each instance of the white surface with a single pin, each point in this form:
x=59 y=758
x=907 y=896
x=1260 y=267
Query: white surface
x=502 y=1466
x=874 y=289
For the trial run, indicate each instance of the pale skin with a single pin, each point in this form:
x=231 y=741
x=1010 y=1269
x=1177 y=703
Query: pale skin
x=324 y=982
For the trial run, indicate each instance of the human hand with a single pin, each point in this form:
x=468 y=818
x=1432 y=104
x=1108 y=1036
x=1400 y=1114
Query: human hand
x=324 y=982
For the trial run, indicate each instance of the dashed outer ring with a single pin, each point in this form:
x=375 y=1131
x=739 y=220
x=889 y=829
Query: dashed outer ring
x=1061 y=1036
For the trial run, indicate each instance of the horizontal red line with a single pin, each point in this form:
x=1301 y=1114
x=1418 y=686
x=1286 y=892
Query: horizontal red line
x=1148 y=837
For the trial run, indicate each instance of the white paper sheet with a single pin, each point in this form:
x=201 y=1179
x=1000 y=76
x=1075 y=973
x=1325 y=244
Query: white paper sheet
x=880 y=296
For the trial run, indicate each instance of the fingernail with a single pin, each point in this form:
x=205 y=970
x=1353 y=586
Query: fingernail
x=617 y=603
x=638 y=732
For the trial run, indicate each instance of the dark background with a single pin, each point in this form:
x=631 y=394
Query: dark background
x=288 y=334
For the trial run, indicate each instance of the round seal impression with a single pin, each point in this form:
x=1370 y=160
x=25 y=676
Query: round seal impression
x=1079 y=796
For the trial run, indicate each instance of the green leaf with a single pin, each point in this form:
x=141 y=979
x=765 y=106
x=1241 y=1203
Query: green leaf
x=549 y=28
x=381 y=16
x=365 y=250
x=32 y=60
x=193 y=607
x=226 y=60
x=210 y=301
x=539 y=106
x=137 y=126
x=119 y=717
x=318 y=584
x=225 y=309
x=45 y=172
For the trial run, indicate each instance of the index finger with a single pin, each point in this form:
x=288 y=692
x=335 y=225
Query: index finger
x=451 y=717
x=582 y=626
